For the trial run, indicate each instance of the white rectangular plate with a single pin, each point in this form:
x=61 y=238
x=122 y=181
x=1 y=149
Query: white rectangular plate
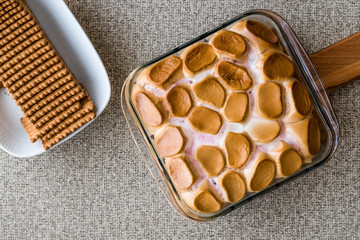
x=79 y=54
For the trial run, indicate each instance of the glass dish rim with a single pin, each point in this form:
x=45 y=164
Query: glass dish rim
x=309 y=74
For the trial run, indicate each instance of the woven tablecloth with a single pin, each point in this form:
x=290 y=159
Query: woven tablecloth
x=96 y=186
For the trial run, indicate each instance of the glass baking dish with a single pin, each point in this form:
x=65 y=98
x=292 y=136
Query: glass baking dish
x=305 y=71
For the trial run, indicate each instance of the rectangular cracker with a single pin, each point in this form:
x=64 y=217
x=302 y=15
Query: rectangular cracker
x=28 y=82
x=6 y=7
x=87 y=106
x=13 y=30
x=5 y=3
x=40 y=83
x=15 y=21
x=52 y=100
x=34 y=132
x=11 y=13
x=68 y=130
x=39 y=65
x=69 y=125
x=27 y=64
x=19 y=51
x=56 y=91
x=21 y=46
x=28 y=56
x=7 y=46
x=44 y=115
x=42 y=93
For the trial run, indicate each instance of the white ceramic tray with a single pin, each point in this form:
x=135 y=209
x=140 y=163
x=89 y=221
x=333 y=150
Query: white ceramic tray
x=75 y=48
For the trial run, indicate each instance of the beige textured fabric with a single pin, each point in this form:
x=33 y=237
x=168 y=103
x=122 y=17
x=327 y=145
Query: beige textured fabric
x=96 y=186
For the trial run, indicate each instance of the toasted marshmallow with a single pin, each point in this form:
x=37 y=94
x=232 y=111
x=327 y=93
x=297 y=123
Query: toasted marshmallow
x=165 y=72
x=233 y=185
x=262 y=130
x=149 y=113
x=233 y=76
x=238 y=148
x=210 y=91
x=205 y=120
x=260 y=172
x=180 y=172
x=202 y=199
x=211 y=159
x=236 y=107
x=269 y=100
x=287 y=159
x=197 y=57
x=179 y=101
x=298 y=103
x=307 y=134
x=258 y=34
x=276 y=66
x=228 y=44
x=169 y=141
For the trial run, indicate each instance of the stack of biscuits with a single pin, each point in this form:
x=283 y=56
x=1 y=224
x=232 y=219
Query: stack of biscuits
x=53 y=102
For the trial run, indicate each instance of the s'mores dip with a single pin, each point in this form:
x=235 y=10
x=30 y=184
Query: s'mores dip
x=227 y=116
x=53 y=103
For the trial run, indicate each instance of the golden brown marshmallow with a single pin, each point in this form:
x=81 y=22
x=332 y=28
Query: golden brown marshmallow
x=164 y=70
x=205 y=120
x=233 y=76
x=198 y=57
x=233 y=185
x=179 y=101
x=287 y=159
x=276 y=66
x=147 y=110
x=210 y=91
x=210 y=159
x=257 y=33
x=169 y=141
x=307 y=134
x=260 y=173
x=229 y=44
x=298 y=101
x=262 y=130
x=238 y=148
x=180 y=172
x=236 y=107
x=269 y=102
x=202 y=199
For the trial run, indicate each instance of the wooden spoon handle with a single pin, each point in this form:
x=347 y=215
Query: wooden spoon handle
x=339 y=63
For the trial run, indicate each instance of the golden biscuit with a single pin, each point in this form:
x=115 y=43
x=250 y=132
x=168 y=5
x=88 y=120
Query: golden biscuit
x=41 y=81
x=12 y=23
x=22 y=45
x=70 y=124
x=19 y=52
x=68 y=130
x=16 y=29
x=20 y=39
x=26 y=65
x=34 y=131
x=31 y=56
x=43 y=116
x=8 y=7
x=11 y=13
x=41 y=99
x=47 y=86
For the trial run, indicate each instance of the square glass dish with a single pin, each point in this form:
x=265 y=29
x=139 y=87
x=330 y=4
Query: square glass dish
x=184 y=158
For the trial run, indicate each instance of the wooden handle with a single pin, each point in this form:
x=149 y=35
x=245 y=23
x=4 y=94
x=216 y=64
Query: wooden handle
x=339 y=63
